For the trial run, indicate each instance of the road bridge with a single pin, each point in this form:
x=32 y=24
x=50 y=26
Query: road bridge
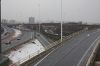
x=74 y=52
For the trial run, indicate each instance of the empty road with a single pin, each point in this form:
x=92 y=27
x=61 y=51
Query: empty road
x=74 y=52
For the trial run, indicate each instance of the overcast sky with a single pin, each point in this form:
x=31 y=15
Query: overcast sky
x=73 y=10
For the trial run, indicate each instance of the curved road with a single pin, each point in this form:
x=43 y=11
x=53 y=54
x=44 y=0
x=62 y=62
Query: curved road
x=74 y=52
x=26 y=36
x=7 y=32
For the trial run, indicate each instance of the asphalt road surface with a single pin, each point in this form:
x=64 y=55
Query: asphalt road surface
x=43 y=40
x=23 y=38
x=6 y=33
x=74 y=52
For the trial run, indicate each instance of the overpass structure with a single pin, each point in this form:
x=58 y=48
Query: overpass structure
x=16 y=42
x=74 y=52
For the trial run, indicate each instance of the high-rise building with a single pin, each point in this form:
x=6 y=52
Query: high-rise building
x=31 y=20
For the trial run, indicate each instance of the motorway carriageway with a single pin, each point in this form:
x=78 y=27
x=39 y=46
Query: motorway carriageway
x=23 y=36
x=74 y=52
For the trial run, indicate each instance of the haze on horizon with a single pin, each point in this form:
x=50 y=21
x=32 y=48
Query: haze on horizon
x=73 y=10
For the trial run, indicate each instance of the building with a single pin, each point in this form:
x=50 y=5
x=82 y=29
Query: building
x=4 y=21
x=31 y=20
x=12 y=22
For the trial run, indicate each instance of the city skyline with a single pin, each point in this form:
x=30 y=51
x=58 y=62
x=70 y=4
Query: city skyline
x=78 y=10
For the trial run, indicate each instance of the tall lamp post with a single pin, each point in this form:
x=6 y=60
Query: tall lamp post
x=61 y=22
x=39 y=17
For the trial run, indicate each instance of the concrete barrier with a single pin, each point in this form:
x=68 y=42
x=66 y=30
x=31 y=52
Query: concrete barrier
x=51 y=47
x=93 y=54
x=97 y=63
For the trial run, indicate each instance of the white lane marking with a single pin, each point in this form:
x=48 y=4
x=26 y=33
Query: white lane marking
x=43 y=59
x=88 y=35
x=92 y=54
x=87 y=52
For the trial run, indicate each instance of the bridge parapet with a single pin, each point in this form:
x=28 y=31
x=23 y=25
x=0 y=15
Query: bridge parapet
x=52 y=46
x=91 y=59
x=58 y=42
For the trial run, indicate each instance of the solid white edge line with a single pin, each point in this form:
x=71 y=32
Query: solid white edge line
x=87 y=51
x=89 y=60
x=43 y=58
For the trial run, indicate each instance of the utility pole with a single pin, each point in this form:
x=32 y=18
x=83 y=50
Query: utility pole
x=61 y=22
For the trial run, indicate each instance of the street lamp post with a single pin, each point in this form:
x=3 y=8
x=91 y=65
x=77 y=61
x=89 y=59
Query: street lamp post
x=61 y=22
x=39 y=17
